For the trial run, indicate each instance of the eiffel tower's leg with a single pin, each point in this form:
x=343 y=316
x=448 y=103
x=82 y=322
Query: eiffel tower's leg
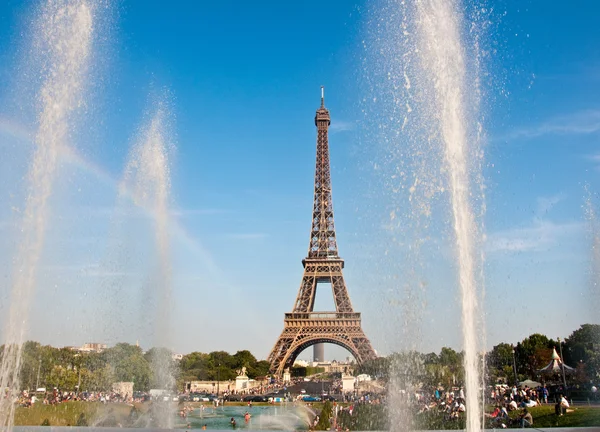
x=364 y=348
x=340 y=294
x=280 y=350
x=306 y=295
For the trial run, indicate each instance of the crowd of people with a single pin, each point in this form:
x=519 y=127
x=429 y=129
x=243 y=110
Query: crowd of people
x=27 y=399
x=452 y=403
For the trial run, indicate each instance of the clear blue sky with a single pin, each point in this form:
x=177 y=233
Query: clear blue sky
x=244 y=81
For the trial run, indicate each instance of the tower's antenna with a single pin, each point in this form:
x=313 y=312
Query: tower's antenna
x=322 y=96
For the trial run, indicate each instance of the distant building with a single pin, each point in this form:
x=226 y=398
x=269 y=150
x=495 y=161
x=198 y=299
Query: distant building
x=93 y=347
x=89 y=347
x=208 y=386
x=334 y=366
x=348 y=383
x=176 y=356
x=319 y=352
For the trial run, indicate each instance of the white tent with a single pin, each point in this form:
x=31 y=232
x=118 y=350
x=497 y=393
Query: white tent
x=556 y=365
x=530 y=384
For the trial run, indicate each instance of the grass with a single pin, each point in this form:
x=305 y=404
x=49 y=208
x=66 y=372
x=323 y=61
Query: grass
x=69 y=413
x=375 y=417
x=544 y=417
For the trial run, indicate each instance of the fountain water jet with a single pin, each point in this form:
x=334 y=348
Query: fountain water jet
x=65 y=30
x=147 y=175
x=442 y=58
x=430 y=80
x=593 y=231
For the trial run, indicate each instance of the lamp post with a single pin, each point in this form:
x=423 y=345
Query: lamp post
x=218 y=378
x=515 y=366
x=562 y=364
x=37 y=381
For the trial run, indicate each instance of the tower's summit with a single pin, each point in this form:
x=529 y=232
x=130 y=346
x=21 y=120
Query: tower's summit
x=322 y=119
x=322 y=236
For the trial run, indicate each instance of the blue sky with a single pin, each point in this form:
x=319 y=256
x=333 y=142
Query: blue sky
x=243 y=79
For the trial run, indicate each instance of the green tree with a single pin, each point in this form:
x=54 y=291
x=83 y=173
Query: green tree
x=500 y=363
x=435 y=372
x=406 y=367
x=194 y=366
x=452 y=366
x=221 y=365
x=324 y=422
x=298 y=371
x=259 y=369
x=533 y=353
x=243 y=358
x=129 y=365
x=377 y=367
x=158 y=354
x=121 y=351
x=164 y=368
x=93 y=361
x=100 y=379
x=30 y=364
x=583 y=346
x=63 y=378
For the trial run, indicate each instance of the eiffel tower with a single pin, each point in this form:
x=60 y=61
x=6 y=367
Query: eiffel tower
x=302 y=327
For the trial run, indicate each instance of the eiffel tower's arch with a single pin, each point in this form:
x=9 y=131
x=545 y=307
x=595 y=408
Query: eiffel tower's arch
x=300 y=345
x=304 y=327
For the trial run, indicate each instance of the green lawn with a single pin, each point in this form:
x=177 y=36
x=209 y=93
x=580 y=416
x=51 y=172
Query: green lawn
x=544 y=417
x=376 y=417
x=69 y=413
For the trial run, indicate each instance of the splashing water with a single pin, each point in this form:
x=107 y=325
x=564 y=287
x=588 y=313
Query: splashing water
x=65 y=29
x=148 y=175
x=427 y=78
x=442 y=58
x=593 y=231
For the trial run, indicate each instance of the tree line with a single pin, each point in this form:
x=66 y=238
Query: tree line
x=581 y=350
x=66 y=369
x=70 y=370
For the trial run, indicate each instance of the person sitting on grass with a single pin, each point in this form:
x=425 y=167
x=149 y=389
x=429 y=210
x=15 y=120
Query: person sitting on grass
x=526 y=419
x=495 y=413
x=562 y=406
x=528 y=403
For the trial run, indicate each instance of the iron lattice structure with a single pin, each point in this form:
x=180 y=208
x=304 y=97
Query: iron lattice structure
x=303 y=327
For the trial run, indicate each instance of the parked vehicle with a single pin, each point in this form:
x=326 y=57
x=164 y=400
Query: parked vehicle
x=255 y=398
x=199 y=397
x=311 y=399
